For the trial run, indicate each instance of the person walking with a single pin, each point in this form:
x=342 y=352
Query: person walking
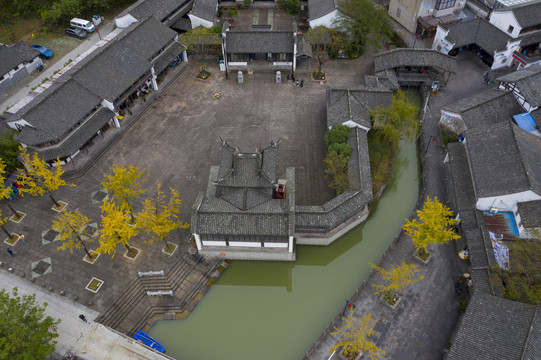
x=10 y=252
x=82 y=317
x=23 y=239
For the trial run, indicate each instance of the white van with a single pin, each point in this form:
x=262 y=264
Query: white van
x=83 y=24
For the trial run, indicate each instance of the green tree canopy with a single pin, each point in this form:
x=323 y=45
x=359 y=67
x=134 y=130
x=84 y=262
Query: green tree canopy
x=367 y=25
x=391 y=123
x=9 y=150
x=201 y=41
x=25 y=332
x=320 y=38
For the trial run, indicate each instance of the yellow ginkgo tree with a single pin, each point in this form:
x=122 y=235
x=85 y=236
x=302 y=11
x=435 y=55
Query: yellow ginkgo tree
x=2 y=223
x=126 y=184
x=70 y=226
x=115 y=229
x=160 y=215
x=433 y=227
x=5 y=192
x=39 y=178
x=395 y=280
x=355 y=336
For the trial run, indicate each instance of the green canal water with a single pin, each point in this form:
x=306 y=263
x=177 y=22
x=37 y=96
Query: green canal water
x=276 y=310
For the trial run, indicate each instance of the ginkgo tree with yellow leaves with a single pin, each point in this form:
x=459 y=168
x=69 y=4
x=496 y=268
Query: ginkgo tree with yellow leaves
x=70 y=226
x=355 y=336
x=2 y=223
x=126 y=184
x=433 y=227
x=115 y=229
x=160 y=215
x=5 y=192
x=38 y=178
x=396 y=279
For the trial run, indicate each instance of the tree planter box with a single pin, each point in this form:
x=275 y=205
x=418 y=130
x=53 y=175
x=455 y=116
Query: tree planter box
x=13 y=239
x=61 y=207
x=203 y=80
x=19 y=218
x=94 y=258
x=416 y=257
x=94 y=285
x=134 y=253
x=171 y=250
x=341 y=356
x=382 y=298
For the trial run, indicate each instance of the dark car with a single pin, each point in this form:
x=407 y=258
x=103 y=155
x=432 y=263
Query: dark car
x=46 y=53
x=76 y=32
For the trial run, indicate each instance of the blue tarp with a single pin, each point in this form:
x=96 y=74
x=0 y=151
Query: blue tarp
x=525 y=121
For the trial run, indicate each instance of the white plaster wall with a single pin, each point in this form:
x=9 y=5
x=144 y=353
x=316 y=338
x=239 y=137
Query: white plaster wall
x=407 y=18
x=213 y=243
x=452 y=121
x=477 y=10
x=426 y=8
x=197 y=21
x=34 y=64
x=244 y=244
x=502 y=20
x=325 y=20
x=439 y=41
x=22 y=122
x=506 y=202
x=275 y=245
x=237 y=63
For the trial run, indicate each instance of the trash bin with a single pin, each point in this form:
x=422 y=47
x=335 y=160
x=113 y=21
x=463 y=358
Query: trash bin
x=278 y=77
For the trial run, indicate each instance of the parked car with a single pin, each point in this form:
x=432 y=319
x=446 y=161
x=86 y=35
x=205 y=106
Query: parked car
x=45 y=53
x=76 y=32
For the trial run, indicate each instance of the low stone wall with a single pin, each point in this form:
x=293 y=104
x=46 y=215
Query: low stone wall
x=321 y=225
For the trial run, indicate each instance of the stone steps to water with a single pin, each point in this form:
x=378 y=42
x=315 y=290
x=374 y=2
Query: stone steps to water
x=131 y=311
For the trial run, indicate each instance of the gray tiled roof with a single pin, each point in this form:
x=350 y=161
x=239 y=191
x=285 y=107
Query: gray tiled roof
x=527 y=14
x=165 y=58
x=388 y=79
x=530 y=39
x=161 y=9
x=182 y=24
x=318 y=8
x=78 y=137
x=495 y=328
x=477 y=31
x=112 y=72
x=528 y=82
x=485 y=109
x=303 y=47
x=503 y=159
x=9 y=58
x=345 y=104
x=145 y=39
x=461 y=177
x=533 y=347
x=27 y=52
x=204 y=9
x=414 y=57
x=56 y=112
x=253 y=168
x=241 y=42
x=530 y=213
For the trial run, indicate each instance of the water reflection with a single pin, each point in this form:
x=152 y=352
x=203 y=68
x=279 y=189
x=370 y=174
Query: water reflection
x=276 y=310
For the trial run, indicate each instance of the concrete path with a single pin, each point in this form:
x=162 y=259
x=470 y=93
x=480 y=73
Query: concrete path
x=90 y=340
x=422 y=325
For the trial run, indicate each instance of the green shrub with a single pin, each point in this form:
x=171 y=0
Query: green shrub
x=247 y=3
x=338 y=134
x=342 y=149
x=233 y=13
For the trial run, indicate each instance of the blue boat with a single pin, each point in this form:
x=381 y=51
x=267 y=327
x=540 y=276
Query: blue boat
x=149 y=341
